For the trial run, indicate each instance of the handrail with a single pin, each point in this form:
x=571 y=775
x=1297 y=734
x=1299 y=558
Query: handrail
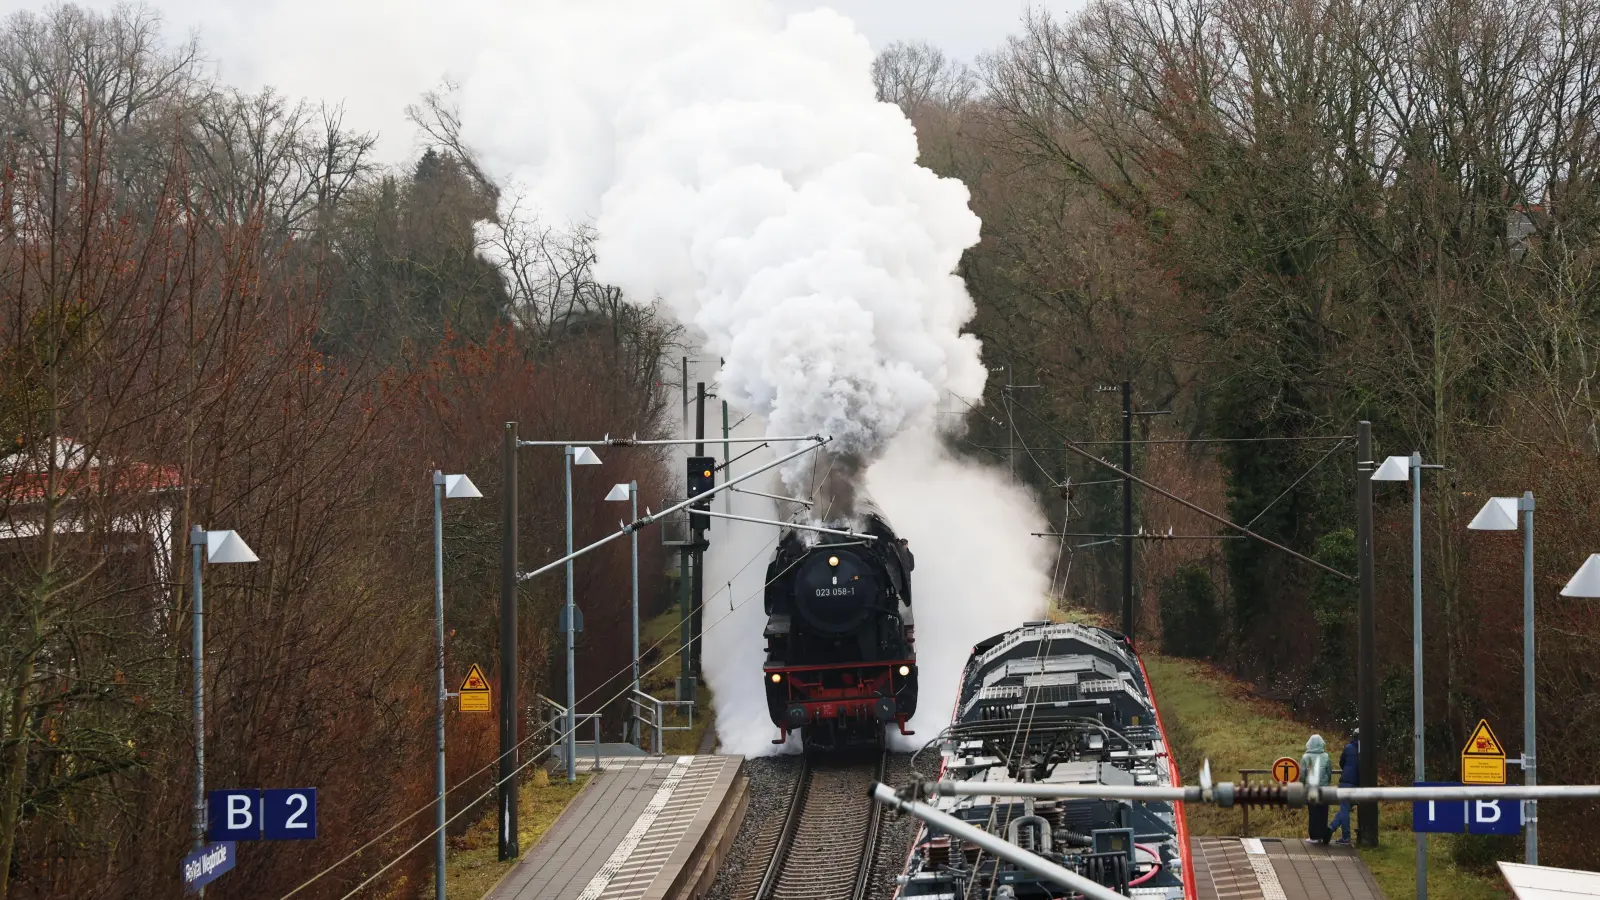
x=561 y=713
x=644 y=702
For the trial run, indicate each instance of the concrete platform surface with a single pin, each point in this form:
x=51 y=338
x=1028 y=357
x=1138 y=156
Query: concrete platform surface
x=631 y=833
x=1230 y=868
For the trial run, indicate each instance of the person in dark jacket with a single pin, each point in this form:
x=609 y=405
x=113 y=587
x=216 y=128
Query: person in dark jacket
x=1349 y=776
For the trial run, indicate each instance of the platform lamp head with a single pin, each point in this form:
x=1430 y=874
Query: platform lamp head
x=1499 y=514
x=228 y=547
x=460 y=487
x=1586 y=582
x=1395 y=468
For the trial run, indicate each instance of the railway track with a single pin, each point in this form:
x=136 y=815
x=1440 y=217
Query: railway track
x=826 y=848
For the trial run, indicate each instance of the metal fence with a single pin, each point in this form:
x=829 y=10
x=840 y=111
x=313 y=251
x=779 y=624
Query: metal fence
x=652 y=714
x=552 y=722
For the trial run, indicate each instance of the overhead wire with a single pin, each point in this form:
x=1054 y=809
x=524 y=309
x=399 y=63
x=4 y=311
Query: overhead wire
x=1296 y=484
x=531 y=758
x=1074 y=447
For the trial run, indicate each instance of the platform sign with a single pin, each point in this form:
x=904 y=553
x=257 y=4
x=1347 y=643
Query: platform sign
x=1438 y=816
x=475 y=691
x=1494 y=817
x=207 y=864
x=289 y=814
x=279 y=814
x=1465 y=816
x=1286 y=770
x=233 y=815
x=1483 y=759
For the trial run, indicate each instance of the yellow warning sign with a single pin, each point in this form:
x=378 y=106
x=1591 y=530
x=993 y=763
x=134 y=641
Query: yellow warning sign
x=475 y=691
x=1483 y=759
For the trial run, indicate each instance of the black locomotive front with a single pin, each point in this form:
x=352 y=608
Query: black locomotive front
x=840 y=659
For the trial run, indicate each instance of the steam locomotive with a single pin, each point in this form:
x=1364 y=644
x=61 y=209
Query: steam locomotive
x=840 y=661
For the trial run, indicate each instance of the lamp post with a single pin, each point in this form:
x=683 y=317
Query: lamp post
x=581 y=456
x=455 y=487
x=1500 y=514
x=630 y=491
x=219 y=547
x=1403 y=468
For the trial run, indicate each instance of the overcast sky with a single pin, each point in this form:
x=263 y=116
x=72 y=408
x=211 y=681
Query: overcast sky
x=963 y=28
x=375 y=58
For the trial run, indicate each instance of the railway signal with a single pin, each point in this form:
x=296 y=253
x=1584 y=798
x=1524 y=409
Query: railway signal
x=702 y=478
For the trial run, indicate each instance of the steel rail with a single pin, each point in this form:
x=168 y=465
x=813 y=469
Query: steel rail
x=869 y=850
x=791 y=822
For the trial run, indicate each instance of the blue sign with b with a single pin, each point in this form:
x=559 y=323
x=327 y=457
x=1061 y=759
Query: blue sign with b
x=1465 y=816
x=233 y=815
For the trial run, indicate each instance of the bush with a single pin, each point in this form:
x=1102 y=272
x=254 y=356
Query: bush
x=1479 y=852
x=1189 y=622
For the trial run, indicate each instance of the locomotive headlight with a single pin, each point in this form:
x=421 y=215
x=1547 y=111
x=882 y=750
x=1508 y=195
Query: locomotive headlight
x=905 y=670
x=777 y=677
x=833 y=560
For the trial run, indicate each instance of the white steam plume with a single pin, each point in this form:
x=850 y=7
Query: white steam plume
x=979 y=572
x=736 y=165
x=739 y=166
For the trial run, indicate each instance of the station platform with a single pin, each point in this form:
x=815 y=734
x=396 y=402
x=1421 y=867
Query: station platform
x=644 y=828
x=1230 y=868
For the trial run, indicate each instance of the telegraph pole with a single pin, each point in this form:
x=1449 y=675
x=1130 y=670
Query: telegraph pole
x=1367 y=650
x=1011 y=426
x=727 y=461
x=1127 y=510
x=508 y=647
x=697 y=525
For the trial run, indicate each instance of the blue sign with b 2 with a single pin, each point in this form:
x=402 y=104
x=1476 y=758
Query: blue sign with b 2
x=1465 y=816
x=279 y=814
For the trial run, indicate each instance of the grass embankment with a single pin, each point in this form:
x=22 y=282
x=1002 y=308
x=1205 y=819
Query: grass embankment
x=1209 y=715
x=662 y=683
x=471 y=867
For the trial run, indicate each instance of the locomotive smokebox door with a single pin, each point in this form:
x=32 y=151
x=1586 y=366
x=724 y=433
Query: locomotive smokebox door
x=835 y=591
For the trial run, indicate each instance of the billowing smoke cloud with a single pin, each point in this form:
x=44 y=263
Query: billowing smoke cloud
x=738 y=166
x=979 y=572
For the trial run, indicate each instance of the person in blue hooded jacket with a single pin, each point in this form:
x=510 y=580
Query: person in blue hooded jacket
x=1349 y=776
x=1315 y=768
